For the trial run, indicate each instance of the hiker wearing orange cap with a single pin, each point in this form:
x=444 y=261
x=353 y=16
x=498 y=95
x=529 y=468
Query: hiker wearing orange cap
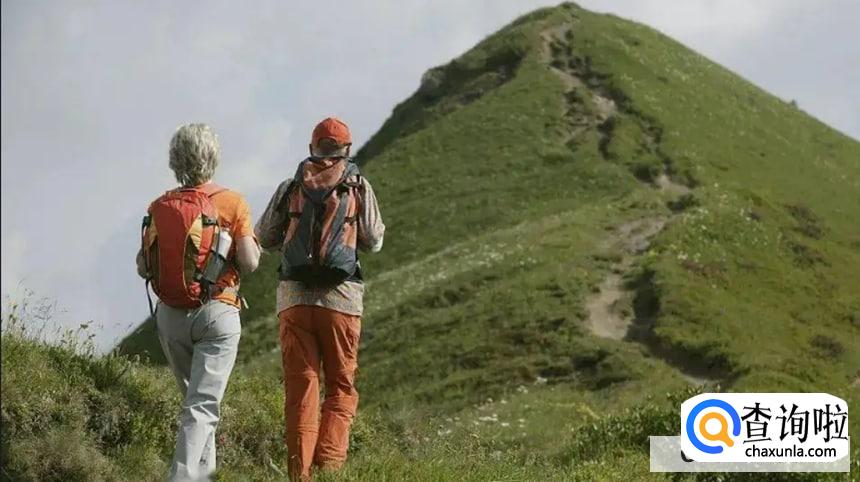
x=333 y=129
x=320 y=219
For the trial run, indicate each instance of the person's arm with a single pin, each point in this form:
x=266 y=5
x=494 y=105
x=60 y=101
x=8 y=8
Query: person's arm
x=247 y=254
x=371 y=230
x=272 y=225
x=247 y=249
x=141 y=265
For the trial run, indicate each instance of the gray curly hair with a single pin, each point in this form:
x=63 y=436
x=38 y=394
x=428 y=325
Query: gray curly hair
x=194 y=154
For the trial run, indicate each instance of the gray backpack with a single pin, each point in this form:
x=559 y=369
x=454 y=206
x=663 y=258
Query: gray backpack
x=322 y=202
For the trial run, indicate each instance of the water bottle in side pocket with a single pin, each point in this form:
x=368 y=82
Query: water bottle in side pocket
x=218 y=257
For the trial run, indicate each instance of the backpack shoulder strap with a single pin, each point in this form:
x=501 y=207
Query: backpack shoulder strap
x=352 y=170
x=212 y=189
x=219 y=191
x=283 y=205
x=299 y=176
x=295 y=182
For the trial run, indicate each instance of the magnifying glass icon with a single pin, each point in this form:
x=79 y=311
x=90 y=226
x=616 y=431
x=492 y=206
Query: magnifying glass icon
x=722 y=435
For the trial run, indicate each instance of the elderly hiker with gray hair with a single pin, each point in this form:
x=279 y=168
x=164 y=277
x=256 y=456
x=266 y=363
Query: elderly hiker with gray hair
x=196 y=240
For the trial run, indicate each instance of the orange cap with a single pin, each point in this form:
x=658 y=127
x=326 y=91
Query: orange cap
x=333 y=128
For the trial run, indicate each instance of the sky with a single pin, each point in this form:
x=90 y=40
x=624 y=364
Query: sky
x=92 y=91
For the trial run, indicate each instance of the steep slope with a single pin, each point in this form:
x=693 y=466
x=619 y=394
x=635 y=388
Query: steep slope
x=502 y=177
x=583 y=214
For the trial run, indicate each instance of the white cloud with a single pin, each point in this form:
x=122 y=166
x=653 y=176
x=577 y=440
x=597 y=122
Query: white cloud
x=248 y=166
x=13 y=253
x=713 y=18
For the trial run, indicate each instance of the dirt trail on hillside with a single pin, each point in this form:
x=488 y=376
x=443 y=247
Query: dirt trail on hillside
x=589 y=106
x=558 y=55
x=610 y=312
x=550 y=36
x=667 y=184
x=605 y=316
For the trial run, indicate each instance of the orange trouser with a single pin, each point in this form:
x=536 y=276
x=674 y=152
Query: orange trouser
x=310 y=334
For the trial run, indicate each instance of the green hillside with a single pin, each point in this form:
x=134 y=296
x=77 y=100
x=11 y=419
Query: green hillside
x=586 y=223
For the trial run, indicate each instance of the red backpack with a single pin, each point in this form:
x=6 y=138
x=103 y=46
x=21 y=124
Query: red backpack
x=182 y=245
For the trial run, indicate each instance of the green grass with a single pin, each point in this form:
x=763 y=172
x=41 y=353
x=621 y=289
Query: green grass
x=499 y=183
x=69 y=416
x=81 y=417
x=106 y=418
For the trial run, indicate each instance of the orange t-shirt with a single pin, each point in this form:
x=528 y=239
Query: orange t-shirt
x=234 y=214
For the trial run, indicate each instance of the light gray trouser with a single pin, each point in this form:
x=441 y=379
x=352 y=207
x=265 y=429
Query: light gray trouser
x=200 y=345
